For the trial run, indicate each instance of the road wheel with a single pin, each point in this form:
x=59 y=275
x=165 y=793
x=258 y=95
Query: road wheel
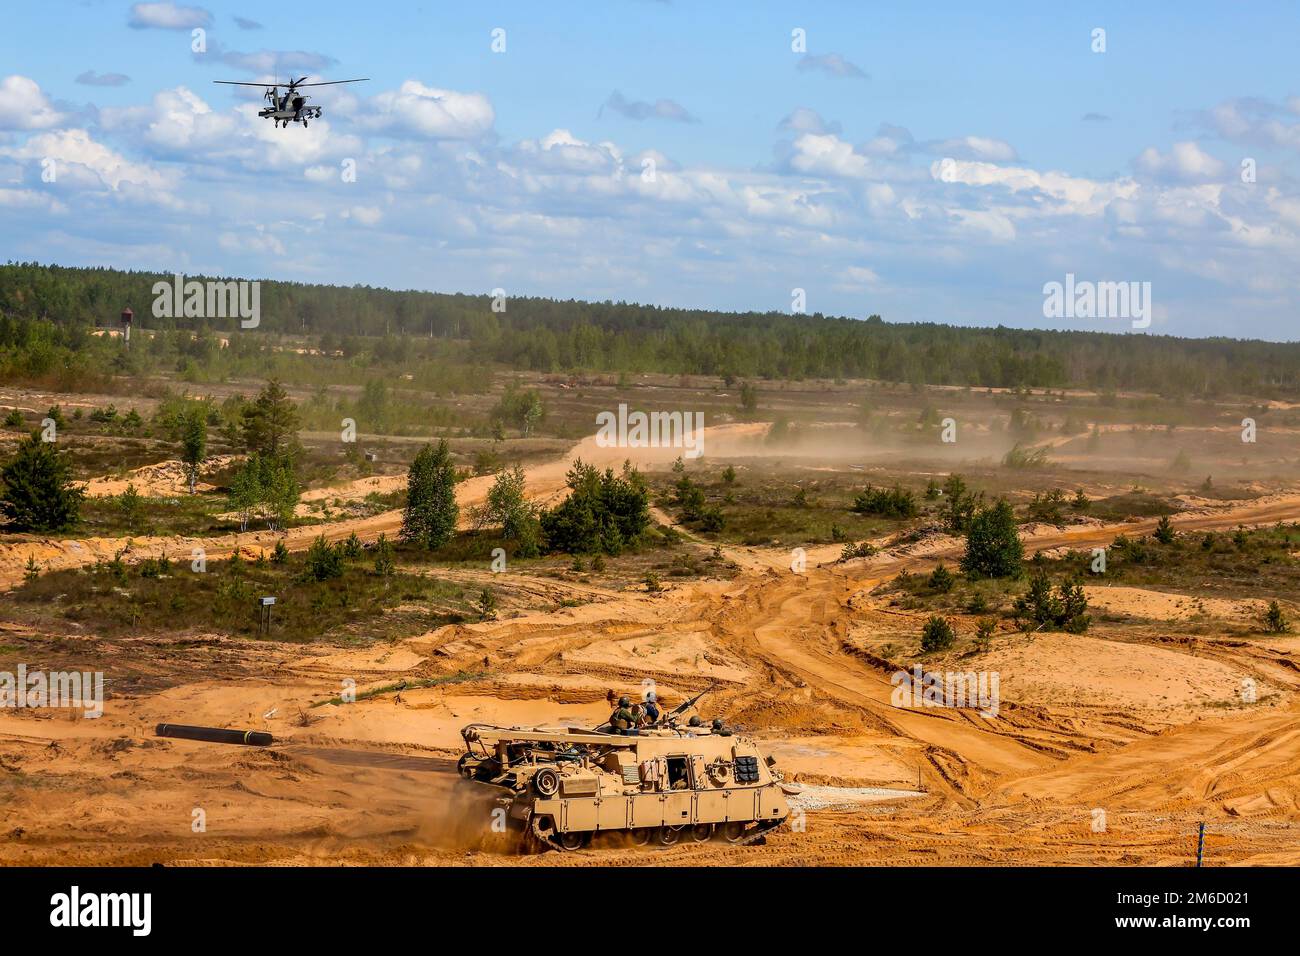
x=734 y=831
x=641 y=836
x=572 y=841
x=668 y=836
x=461 y=768
x=702 y=832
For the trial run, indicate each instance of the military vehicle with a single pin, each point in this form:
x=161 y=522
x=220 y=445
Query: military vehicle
x=659 y=784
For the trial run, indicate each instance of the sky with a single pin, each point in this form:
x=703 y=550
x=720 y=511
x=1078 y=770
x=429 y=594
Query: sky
x=941 y=162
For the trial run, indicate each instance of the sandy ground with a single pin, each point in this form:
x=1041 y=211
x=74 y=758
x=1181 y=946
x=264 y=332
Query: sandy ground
x=1147 y=735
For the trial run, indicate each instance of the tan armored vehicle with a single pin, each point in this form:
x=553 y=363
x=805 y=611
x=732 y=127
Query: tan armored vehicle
x=661 y=784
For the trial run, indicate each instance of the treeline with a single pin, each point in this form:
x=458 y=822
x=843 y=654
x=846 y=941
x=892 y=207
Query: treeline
x=551 y=335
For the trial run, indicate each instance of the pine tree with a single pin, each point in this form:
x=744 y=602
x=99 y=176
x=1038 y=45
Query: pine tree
x=194 y=442
x=270 y=423
x=36 y=489
x=993 y=546
x=431 y=509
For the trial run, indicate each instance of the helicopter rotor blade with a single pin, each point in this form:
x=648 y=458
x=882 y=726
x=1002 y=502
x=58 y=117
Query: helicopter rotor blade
x=364 y=79
x=266 y=86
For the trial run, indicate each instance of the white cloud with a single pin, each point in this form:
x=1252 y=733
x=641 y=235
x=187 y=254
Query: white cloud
x=258 y=242
x=832 y=64
x=168 y=16
x=805 y=120
x=828 y=155
x=1073 y=195
x=366 y=215
x=974 y=147
x=416 y=109
x=1185 y=162
x=80 y=160
x=24 y=106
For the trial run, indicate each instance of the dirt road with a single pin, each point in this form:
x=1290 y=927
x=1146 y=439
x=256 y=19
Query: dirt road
x=1057 y=776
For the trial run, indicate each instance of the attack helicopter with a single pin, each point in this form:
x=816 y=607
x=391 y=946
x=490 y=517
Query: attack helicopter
x=291 y=106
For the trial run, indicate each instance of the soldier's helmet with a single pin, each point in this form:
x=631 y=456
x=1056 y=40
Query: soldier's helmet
x=624 y=702
x=695 y=721
x=717 y=723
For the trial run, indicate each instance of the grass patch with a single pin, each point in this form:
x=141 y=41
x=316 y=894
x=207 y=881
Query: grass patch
x=152 y=596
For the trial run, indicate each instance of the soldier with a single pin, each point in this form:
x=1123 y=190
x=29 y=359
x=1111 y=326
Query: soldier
x=651 y=709
x=719 y=729
x=623 y=720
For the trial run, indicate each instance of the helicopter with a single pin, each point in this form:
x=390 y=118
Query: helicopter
x=292 y=106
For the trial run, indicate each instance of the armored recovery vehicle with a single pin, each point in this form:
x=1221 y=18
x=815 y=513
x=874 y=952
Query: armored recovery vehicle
x=659 y=785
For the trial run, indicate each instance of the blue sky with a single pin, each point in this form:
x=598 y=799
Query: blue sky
x=921 y=161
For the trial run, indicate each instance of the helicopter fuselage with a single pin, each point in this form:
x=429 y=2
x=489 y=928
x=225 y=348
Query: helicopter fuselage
x=290 y=108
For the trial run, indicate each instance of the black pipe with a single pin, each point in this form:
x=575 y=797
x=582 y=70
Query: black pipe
x=215 y=735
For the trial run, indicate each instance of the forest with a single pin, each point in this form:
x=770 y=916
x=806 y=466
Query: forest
x=48 y=312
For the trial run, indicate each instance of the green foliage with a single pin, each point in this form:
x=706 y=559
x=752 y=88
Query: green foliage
x=131 y=506
x=984 y=631
x=46 y=310
x=1164 y=532
x=941 y=579
x=487 y=604
x=431 y=509
x=959 y=504
x=264 y=487
x=384 y=562
x=1020 y=457
x=1274 y=619
x=270 y=424
x=729 y=475
x=1048 y=508
x=351 y=548
x=602 y=513
x=324 y=561
x=993 y=546
x=864 y=549
x=508 y=508
x=36 y=488
x=14 y=419
x=280 y=553
x=748 y=398
x=194 y=441
x=937 y=634
x=520 y=408
x=896 y=502
x=1065 y=609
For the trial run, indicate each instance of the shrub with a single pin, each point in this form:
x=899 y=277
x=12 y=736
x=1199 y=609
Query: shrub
x=324 y=561
x=36 y=489
x=993 y=546
x=941 y=580
x=937 y=635
x=1065 y=609
x=384 y=564
x=1274 y=619
x=896 y=502
x=1164 y=532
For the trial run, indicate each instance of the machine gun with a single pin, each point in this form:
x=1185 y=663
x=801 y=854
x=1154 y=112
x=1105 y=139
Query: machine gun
x=686 y=705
